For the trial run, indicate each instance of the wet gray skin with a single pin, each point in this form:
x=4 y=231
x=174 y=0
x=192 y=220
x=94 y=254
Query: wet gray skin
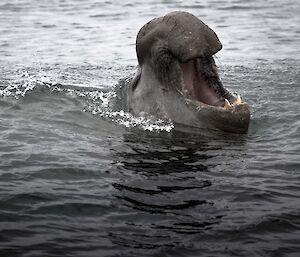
x=177 y=77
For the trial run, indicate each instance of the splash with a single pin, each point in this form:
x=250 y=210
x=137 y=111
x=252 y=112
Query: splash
x=107 y=104
x=23 y=84
x=101 y=105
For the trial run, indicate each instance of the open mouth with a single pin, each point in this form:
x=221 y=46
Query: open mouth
x=202 y=84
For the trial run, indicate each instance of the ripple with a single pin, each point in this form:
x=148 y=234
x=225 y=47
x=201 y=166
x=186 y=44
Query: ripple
x=73 y=209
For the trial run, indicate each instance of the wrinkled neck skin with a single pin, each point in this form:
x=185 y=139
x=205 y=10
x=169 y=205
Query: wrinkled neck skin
x=148 y=95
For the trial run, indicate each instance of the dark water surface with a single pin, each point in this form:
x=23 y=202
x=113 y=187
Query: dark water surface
x=79 y=176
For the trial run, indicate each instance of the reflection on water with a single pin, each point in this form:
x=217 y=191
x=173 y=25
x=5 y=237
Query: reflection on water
x=171 y=184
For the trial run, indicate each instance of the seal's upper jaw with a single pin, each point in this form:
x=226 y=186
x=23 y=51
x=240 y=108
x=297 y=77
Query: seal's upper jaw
x=184 y=35
x=181 y=36
x=189 y=37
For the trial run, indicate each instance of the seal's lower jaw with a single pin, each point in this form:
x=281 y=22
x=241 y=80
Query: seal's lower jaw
x=203 y=91
x=233 y=119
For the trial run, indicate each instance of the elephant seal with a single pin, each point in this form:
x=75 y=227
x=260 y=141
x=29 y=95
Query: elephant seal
x=177 y=77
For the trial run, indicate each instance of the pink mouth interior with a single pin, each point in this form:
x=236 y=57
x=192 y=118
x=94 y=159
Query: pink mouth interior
x=197 y=87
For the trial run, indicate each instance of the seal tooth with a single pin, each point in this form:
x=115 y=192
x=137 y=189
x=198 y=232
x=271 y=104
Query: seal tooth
x=227 y=104
x=238 y=100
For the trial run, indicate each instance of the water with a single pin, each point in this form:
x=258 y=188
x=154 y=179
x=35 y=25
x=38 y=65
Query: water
x=79 y=176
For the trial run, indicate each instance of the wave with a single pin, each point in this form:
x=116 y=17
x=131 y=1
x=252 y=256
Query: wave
x=109 y=104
